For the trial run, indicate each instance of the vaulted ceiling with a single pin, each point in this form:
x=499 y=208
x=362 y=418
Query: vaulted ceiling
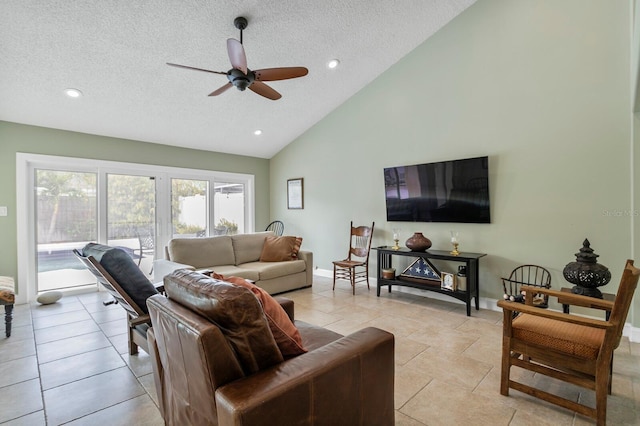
x=115 y=53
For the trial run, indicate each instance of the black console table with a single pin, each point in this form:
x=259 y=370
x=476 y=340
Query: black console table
x=385 y=261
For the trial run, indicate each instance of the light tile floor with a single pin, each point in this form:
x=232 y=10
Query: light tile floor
x=67 y=363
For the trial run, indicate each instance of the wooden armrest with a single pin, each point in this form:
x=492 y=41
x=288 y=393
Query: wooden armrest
x=545 y=313
x=144 y=319
x=572 y=299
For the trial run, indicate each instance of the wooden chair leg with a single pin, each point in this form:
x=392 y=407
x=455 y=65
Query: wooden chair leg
x=366 y=271
x=602 y=387
x=8 y=316
x=610 y=375
x=133 y=348
x=352 y=275
x=334 y=277
x=506 y=355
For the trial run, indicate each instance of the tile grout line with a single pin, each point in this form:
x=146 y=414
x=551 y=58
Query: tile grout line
x=35 y=344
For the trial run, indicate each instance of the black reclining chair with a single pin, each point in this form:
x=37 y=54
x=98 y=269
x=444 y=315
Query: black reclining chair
x=121 y=277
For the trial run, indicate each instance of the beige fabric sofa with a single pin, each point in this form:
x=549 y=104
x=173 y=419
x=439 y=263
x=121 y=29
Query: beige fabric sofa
x=237 y=255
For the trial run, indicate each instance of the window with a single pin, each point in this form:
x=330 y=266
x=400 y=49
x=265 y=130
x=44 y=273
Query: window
x=133 y=206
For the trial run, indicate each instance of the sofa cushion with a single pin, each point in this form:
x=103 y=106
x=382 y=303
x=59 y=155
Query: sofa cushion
x=278 y=249
x=234 y=309
x=270 y=270
x=284 y=331
x=121 y=267
x=202 y=252
x=238 y=271
x=248 y=247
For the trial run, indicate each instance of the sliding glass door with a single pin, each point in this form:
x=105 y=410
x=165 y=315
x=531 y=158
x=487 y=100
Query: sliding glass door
x=228 y=212
x=66 y=212
x=189 y=208
x=131 y=217
x=136 y=207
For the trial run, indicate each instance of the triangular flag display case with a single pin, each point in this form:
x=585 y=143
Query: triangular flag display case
x=422 y=269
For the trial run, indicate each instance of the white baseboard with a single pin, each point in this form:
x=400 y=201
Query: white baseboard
x=633 y=333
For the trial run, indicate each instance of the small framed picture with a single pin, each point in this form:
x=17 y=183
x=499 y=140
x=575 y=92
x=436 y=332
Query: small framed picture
x=295 y=193
x=448 y=281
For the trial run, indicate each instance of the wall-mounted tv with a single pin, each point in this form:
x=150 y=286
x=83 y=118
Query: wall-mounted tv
x=447 y=191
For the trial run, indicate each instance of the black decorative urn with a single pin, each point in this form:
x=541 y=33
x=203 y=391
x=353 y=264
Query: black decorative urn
x=585 y=273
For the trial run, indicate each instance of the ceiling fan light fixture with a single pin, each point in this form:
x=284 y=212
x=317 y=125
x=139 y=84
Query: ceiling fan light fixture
x=73 y=93
x=333 y=64
x=239 y=79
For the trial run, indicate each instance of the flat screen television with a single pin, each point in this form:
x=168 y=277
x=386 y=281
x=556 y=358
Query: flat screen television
x=447 y=191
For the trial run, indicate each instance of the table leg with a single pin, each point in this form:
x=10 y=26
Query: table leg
x=8 y=316
x=475 y=266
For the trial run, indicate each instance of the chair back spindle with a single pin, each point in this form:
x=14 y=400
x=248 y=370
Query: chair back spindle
x=277 y=227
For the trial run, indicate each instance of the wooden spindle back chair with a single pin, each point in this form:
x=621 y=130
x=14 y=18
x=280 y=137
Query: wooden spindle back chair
x=355 y=267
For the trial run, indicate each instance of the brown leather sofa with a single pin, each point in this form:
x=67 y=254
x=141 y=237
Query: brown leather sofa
x=230 y=374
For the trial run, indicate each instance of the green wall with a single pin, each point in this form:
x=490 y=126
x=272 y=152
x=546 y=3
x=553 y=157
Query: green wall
x=541 y=87
x=39 y=140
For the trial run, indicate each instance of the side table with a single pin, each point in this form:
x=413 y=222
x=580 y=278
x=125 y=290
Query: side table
x=605 y=296
x=471 y=260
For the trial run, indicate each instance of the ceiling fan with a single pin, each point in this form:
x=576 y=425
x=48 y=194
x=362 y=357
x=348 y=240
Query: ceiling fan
x=242 y=77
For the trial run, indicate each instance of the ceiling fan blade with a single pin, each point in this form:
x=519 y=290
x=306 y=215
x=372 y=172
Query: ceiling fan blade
x=221 y=89
x=197 y=69
x=236 y=55
x=263 y=90
x=273 y=74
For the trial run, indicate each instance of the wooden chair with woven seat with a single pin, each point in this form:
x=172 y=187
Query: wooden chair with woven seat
x=571 y=348
x=355 y=268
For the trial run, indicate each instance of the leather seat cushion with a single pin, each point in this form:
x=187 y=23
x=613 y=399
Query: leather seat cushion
x=235 y=310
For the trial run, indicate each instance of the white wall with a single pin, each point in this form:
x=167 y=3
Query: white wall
x=541 y=87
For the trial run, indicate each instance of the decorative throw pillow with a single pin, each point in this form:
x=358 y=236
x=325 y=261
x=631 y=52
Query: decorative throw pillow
x=278 y=249
x=234 y=309
x=284 y=331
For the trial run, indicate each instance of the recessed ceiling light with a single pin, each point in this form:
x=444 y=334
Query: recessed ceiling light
x=257 y=132
x=73 y=93
x=333 y=63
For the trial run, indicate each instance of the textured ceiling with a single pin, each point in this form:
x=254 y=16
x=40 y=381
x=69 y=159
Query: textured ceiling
x=115 y=52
